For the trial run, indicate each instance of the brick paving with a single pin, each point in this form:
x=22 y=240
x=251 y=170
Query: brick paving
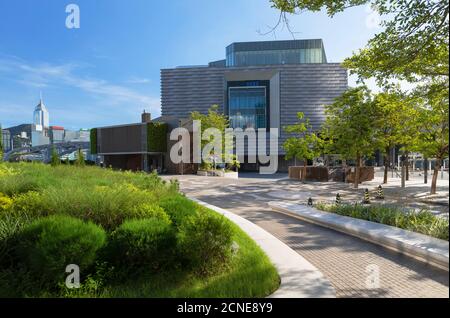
x=346 y=261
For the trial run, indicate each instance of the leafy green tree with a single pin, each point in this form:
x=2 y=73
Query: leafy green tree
x=55 y=160
x=395 y=123
x=349 y=127
x=215 y=119
x=413 y=45
x=80 y=159
x=433 y=133
x=304 y=145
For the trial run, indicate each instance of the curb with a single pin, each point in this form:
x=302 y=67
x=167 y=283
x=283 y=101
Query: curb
x=299 y=278
x=424 y=248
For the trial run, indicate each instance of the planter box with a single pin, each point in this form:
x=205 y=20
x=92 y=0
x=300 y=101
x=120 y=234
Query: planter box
x=419 y=246
x=365 y=174
x=313 y=173
x=217 y=173
x=231 y=174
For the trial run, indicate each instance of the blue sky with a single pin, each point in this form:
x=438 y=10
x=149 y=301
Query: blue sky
x=107 y=71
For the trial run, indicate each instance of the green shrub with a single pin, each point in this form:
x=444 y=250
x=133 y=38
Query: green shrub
x=142 y=244
x=47 y=245
x=204 y=241
x=5 y=202
x=178 y=208
x=149 y=210
x=29 y=205
x=17 y=184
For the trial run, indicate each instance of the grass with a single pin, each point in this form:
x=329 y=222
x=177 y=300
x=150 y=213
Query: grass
x=423 y=221
x=251 y=274
x=31 y=190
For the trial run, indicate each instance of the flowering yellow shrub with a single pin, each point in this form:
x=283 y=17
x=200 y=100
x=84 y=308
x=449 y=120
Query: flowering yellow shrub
x=5 y=202
x=7 y=171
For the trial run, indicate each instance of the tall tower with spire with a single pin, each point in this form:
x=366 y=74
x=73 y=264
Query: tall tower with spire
x=41 y=122
x=41 y=116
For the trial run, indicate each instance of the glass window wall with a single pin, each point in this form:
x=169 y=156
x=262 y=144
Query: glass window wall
x=247 y=107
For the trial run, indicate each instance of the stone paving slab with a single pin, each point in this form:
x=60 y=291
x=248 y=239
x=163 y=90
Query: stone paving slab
x=299 y=278
x=428 y=249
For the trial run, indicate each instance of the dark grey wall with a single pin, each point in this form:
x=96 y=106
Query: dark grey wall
x=306 y=88
x=184 y=90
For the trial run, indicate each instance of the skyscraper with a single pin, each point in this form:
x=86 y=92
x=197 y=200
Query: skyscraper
x=41 y=116
x=39 y=132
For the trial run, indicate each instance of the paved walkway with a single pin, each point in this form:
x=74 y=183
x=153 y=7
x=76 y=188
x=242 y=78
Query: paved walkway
x=346 y=261
x=299 y=278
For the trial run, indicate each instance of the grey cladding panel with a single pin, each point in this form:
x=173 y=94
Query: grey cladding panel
x=185 y=90
x=303 y=88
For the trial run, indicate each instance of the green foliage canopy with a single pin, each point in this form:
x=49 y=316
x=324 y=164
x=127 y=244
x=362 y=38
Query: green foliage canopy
x=349 y=127
x=305 y=145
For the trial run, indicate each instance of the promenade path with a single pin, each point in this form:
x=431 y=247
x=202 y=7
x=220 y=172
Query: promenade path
x=347 y=262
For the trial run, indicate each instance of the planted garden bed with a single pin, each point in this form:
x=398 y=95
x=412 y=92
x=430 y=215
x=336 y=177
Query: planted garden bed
x=131 y=234
x=423 y=221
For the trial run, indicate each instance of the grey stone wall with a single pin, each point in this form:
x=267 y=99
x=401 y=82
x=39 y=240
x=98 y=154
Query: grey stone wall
x=303 y=88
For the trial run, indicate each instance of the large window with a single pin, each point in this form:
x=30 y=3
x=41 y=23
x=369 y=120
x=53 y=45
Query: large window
x=247 y=107
x=298 y=56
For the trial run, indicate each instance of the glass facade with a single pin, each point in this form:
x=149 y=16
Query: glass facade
x=298 y=56
x=275 y=53
x=247 y=107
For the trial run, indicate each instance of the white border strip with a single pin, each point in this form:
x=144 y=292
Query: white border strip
x=418 y=246
x=299 y=278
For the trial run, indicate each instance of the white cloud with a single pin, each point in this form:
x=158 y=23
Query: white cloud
x=42 y=75
x=138 y=80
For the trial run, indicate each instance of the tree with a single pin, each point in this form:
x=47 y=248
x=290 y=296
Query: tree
x=305 y=145
x=395 y=123
x=55 y=160
x=349 y=127
x=80 y=158
x=413 y=45
x=215 y=119
x=433 y=134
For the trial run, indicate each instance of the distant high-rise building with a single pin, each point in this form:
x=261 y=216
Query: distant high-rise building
x=41 y=116
x=39 y=133
x=6 y=140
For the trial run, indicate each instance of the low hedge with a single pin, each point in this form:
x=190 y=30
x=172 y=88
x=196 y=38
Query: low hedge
x=143 y=244
x=204 y=242
x=46 y=246
x=178 y=207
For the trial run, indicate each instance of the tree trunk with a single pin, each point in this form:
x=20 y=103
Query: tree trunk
x=305 y=162
x=358 y=165
x=407 y=165
x=437 y=166
x=386 y=165
x=344 y=168
x=425 y=170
